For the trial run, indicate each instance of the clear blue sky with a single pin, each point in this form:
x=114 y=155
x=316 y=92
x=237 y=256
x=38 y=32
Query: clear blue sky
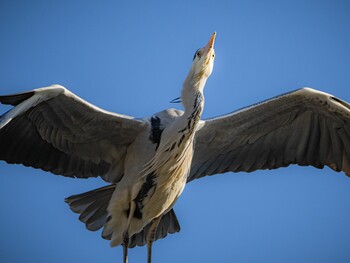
x=132 y=59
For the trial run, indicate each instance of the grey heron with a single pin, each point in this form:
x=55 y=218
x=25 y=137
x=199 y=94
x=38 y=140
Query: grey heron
x=148 y=161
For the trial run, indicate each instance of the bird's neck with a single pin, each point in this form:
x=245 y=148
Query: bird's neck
x=192 y=94
x=193 y=101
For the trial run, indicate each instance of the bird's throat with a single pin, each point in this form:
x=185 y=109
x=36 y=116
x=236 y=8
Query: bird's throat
x=192 y=94
x=193 y=113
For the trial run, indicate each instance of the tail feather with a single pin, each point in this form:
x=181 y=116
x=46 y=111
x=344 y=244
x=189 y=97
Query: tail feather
x=98 y=219
x=92 y=207
x=94 y=216
x=168 y=225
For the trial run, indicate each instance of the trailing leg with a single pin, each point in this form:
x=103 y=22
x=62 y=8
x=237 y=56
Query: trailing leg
x=151 y=237
x=125 y=247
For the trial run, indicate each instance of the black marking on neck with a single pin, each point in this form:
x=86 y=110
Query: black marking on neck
x=147 y=189
x=197 y=110
x=198 y=99
x=193 y=119
x=156 y=130
x=181 y=140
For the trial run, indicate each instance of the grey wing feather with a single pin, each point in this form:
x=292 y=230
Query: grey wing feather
x=304 y=127
x=21 y=143
x=54 y=130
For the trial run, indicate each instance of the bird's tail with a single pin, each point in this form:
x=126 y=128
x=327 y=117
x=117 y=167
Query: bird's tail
x=92 y=207
x=167 y=225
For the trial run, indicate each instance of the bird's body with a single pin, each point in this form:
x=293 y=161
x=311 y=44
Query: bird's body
x=155 y=177
x=153 y=181
x=147 y=162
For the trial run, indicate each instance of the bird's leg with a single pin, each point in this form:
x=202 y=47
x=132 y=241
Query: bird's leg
x=151 y=236
x=125 y=246
x=149 y=252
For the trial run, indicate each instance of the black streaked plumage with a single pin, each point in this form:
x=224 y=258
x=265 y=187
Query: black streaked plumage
x=147 y=189
x=156 y=130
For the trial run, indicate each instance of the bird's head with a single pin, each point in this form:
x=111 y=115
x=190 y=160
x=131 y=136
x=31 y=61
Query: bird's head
x=202 y=66
x=203 y=60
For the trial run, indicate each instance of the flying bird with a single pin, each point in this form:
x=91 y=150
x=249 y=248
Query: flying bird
x=147 y=162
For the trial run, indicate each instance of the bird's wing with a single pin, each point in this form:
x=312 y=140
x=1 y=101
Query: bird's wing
x=304 y=127
x=52 y=129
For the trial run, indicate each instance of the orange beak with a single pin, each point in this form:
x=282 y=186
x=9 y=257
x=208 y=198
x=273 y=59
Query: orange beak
x=211 y=41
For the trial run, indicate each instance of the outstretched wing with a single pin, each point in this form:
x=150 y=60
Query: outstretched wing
x=52 y=129
x=304 y=127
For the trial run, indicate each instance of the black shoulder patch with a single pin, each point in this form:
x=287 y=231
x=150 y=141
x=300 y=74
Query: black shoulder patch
x=156 y=131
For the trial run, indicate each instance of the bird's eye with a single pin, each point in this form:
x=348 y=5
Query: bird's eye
x=197 y=54
x=213 y=56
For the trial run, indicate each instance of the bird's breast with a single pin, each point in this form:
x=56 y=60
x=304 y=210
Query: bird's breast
x=164 y=183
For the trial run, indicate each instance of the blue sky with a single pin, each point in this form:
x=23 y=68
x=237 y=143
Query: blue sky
x=132 y=59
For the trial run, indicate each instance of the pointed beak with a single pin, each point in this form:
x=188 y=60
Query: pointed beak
x=211 y=41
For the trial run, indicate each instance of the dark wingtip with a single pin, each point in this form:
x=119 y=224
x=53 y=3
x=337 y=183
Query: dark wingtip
x=16 y=99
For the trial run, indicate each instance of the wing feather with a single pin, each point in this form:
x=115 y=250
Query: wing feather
x=304 y=127
x=54 y=130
